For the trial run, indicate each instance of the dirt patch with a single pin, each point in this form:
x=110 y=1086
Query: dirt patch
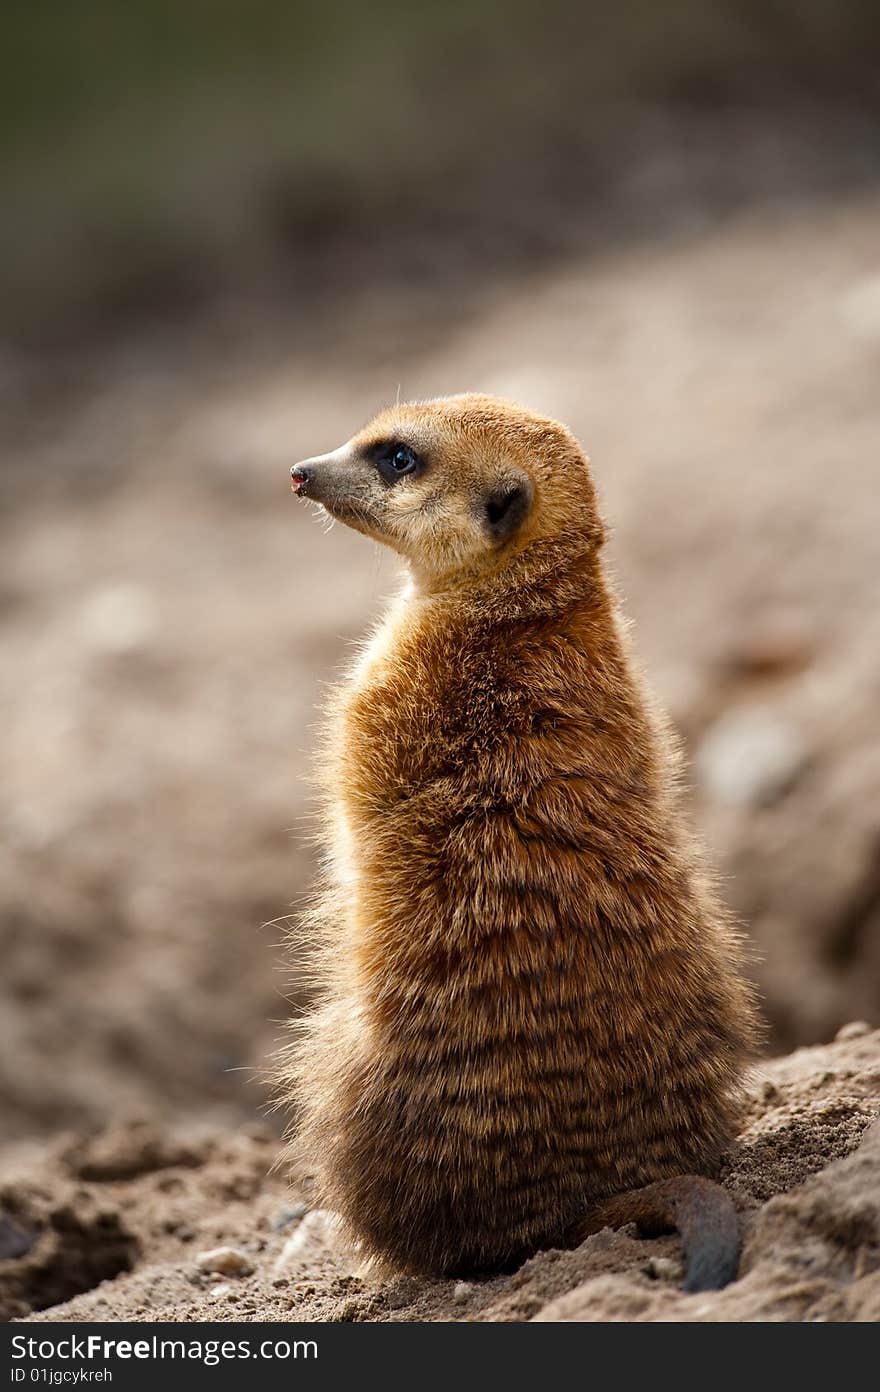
x=128 y=1151
x=805 y=1177
x=53 y=1248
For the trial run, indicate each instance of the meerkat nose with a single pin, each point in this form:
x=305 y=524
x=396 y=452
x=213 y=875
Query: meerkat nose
x=299 y=479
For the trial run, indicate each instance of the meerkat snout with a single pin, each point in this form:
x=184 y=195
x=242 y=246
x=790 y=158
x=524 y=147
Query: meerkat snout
x=325 y=477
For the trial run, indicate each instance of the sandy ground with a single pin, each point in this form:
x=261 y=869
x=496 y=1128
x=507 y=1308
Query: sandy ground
x=169 y=618
x=140 y=1223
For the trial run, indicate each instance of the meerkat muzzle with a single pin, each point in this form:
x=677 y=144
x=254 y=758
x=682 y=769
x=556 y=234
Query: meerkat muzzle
x=324 y=477
x=337 y=483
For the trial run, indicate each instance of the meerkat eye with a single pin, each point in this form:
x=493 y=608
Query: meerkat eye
x=395 y=460
x=403 y=460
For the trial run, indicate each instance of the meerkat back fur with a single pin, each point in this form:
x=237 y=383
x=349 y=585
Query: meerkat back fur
x=530 y=999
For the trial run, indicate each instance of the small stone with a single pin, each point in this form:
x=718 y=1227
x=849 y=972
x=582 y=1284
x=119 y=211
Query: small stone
x=226 y=1261
x=316 y=1231
x=854 y=1030
x=220 y=1292
x=750 y=757
x=462 y=1292
x=662 y=1268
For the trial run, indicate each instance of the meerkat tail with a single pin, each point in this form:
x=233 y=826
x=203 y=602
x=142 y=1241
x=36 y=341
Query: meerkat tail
x=701 y=1211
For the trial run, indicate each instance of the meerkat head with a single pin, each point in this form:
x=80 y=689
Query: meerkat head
x=458 y=484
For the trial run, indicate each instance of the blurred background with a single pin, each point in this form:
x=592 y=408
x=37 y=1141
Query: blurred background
x=230 y=232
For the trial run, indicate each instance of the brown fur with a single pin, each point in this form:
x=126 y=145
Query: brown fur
x=530 y=998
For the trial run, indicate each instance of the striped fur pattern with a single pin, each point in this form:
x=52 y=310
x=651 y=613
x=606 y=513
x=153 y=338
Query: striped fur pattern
x=529 y=997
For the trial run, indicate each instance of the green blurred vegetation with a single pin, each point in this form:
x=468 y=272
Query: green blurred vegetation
x=152 y=151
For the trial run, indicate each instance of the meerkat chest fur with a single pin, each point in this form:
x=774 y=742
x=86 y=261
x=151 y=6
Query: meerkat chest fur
x=530 y=997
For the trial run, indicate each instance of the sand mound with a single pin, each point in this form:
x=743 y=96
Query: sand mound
x=136 y=1223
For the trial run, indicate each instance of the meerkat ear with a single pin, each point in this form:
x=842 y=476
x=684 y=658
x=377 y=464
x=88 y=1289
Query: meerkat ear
x=506 y=507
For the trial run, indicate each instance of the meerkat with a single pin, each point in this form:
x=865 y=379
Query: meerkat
x=530 y=1001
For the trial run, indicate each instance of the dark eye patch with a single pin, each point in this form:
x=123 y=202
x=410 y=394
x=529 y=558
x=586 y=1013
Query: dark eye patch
x=394 y=459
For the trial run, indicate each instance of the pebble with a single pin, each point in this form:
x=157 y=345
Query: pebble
x=225 y=1261
x=317 y=1230
x=750 y=757
x=220 y=1292
x=663 y=1268
x=462 y=1292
